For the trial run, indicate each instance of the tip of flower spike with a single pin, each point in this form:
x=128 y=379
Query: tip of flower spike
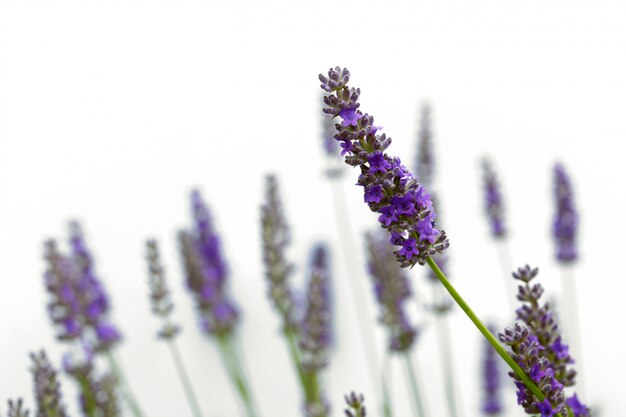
x=337 y=79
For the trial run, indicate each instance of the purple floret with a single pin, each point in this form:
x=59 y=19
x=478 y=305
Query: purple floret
x=565 y=225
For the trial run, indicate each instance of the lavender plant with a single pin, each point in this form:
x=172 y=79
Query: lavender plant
x=565 y=225
x=16 y=409
x=307 y=340
x=356 y=407
x=492 y=384
x=79 y=309
x=47 y=387
x=162 y=307
x=390 y=190
x=206 y=277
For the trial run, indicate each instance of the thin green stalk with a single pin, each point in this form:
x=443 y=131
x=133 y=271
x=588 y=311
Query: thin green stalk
x=418 y=404
x=294 y=354
x=570 y=301
x=446 y=362
x=235 y=373
x=128 y=394
x=184 y=378
x=506 y=265
x=386 y=385
x=483 y=329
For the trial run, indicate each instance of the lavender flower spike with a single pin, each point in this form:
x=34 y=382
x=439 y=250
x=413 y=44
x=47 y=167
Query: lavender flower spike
x=206 y=271
x=494 y=207
x=79 y=306
x=315 y=329
x=492 y=402
x=405 y=209
x=565 y=226
x=275 y=236
x=425 y=161
x=160 y=298
x=47 y=387
x=392 y=290
x=355 y=402
x=16 y=409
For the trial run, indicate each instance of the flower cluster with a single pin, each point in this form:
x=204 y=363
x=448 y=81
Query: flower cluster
x=565 y=226
x=98 y=393
x=160 y=298
x=392 y=290
x=315 y=334
x=206 y=271
x=404 y=207
x=16 y=409
x=494 y=206
x=527 y=352
x=492 y=402
x=275 y=236
x=47 y=387
x=355 y=404
x=79 y=306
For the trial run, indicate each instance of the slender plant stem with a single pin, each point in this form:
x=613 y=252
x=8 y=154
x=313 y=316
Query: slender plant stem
x=294 y=353
x=506 y=264
x=235 y=374
x=386 y=379
x=445 y=354
x=356 y=290
x=572 y=321
x=184 y=378
x=418 y=402
x=483 y=329
x=128 y=394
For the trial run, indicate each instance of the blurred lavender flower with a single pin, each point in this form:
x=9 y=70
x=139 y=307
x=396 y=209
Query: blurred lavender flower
x=275 y=236
x=355 y=404
x=492 y=401
x=425 y=161
x=565 y=226
x=16 y=409
x=328 y=132
x=98 y=394
x=404 y=207
x=493 y=200
x=160 y=298
x=206 y=271
x=392 y=290
x=315 y=336
x=526 y=351
x=47 y=387
x=79 y=307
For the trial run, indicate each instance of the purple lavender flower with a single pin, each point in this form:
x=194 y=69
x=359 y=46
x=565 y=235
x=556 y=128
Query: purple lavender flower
x=98 y=393
x=425 y=161
x=160 y=298
x=275 y=236
x=328 y=131
x=526 y=351
x=392 y=290
x=79 y=307
x=315 y=335
x=492 y=401
x=565 y=226
x=542 y=321
x=16 y=409
x=206 y=271
x=47 y=387
x=355 y=404
x=493 y=201
x=409 y=218
x=578 y=408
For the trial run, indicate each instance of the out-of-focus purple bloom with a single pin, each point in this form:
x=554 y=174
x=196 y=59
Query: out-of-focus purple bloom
x=98 y=393
x=565 y=226
x=392 y=290
x=365 y=149
x=425 y=161
x=47 y=387
x=492 y=384
x=16 y=409
x=315 y=331
x=494 y=206
x=160 y=298
x=206 y=271
x=355 y=404
x=275 y=236
x=526 y=351
x=542 y=321
x=578 y=408
x=79 y=306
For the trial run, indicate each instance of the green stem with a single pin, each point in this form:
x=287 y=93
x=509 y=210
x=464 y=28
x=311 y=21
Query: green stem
x=294 y=353
x=184 y=378
x=386 y=382
x=128 y=394
x=418 y=405
x=446 y=362
x=483 y=329
x=235 y=373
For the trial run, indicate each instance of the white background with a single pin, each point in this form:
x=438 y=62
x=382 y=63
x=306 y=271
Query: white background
x=110 y=111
